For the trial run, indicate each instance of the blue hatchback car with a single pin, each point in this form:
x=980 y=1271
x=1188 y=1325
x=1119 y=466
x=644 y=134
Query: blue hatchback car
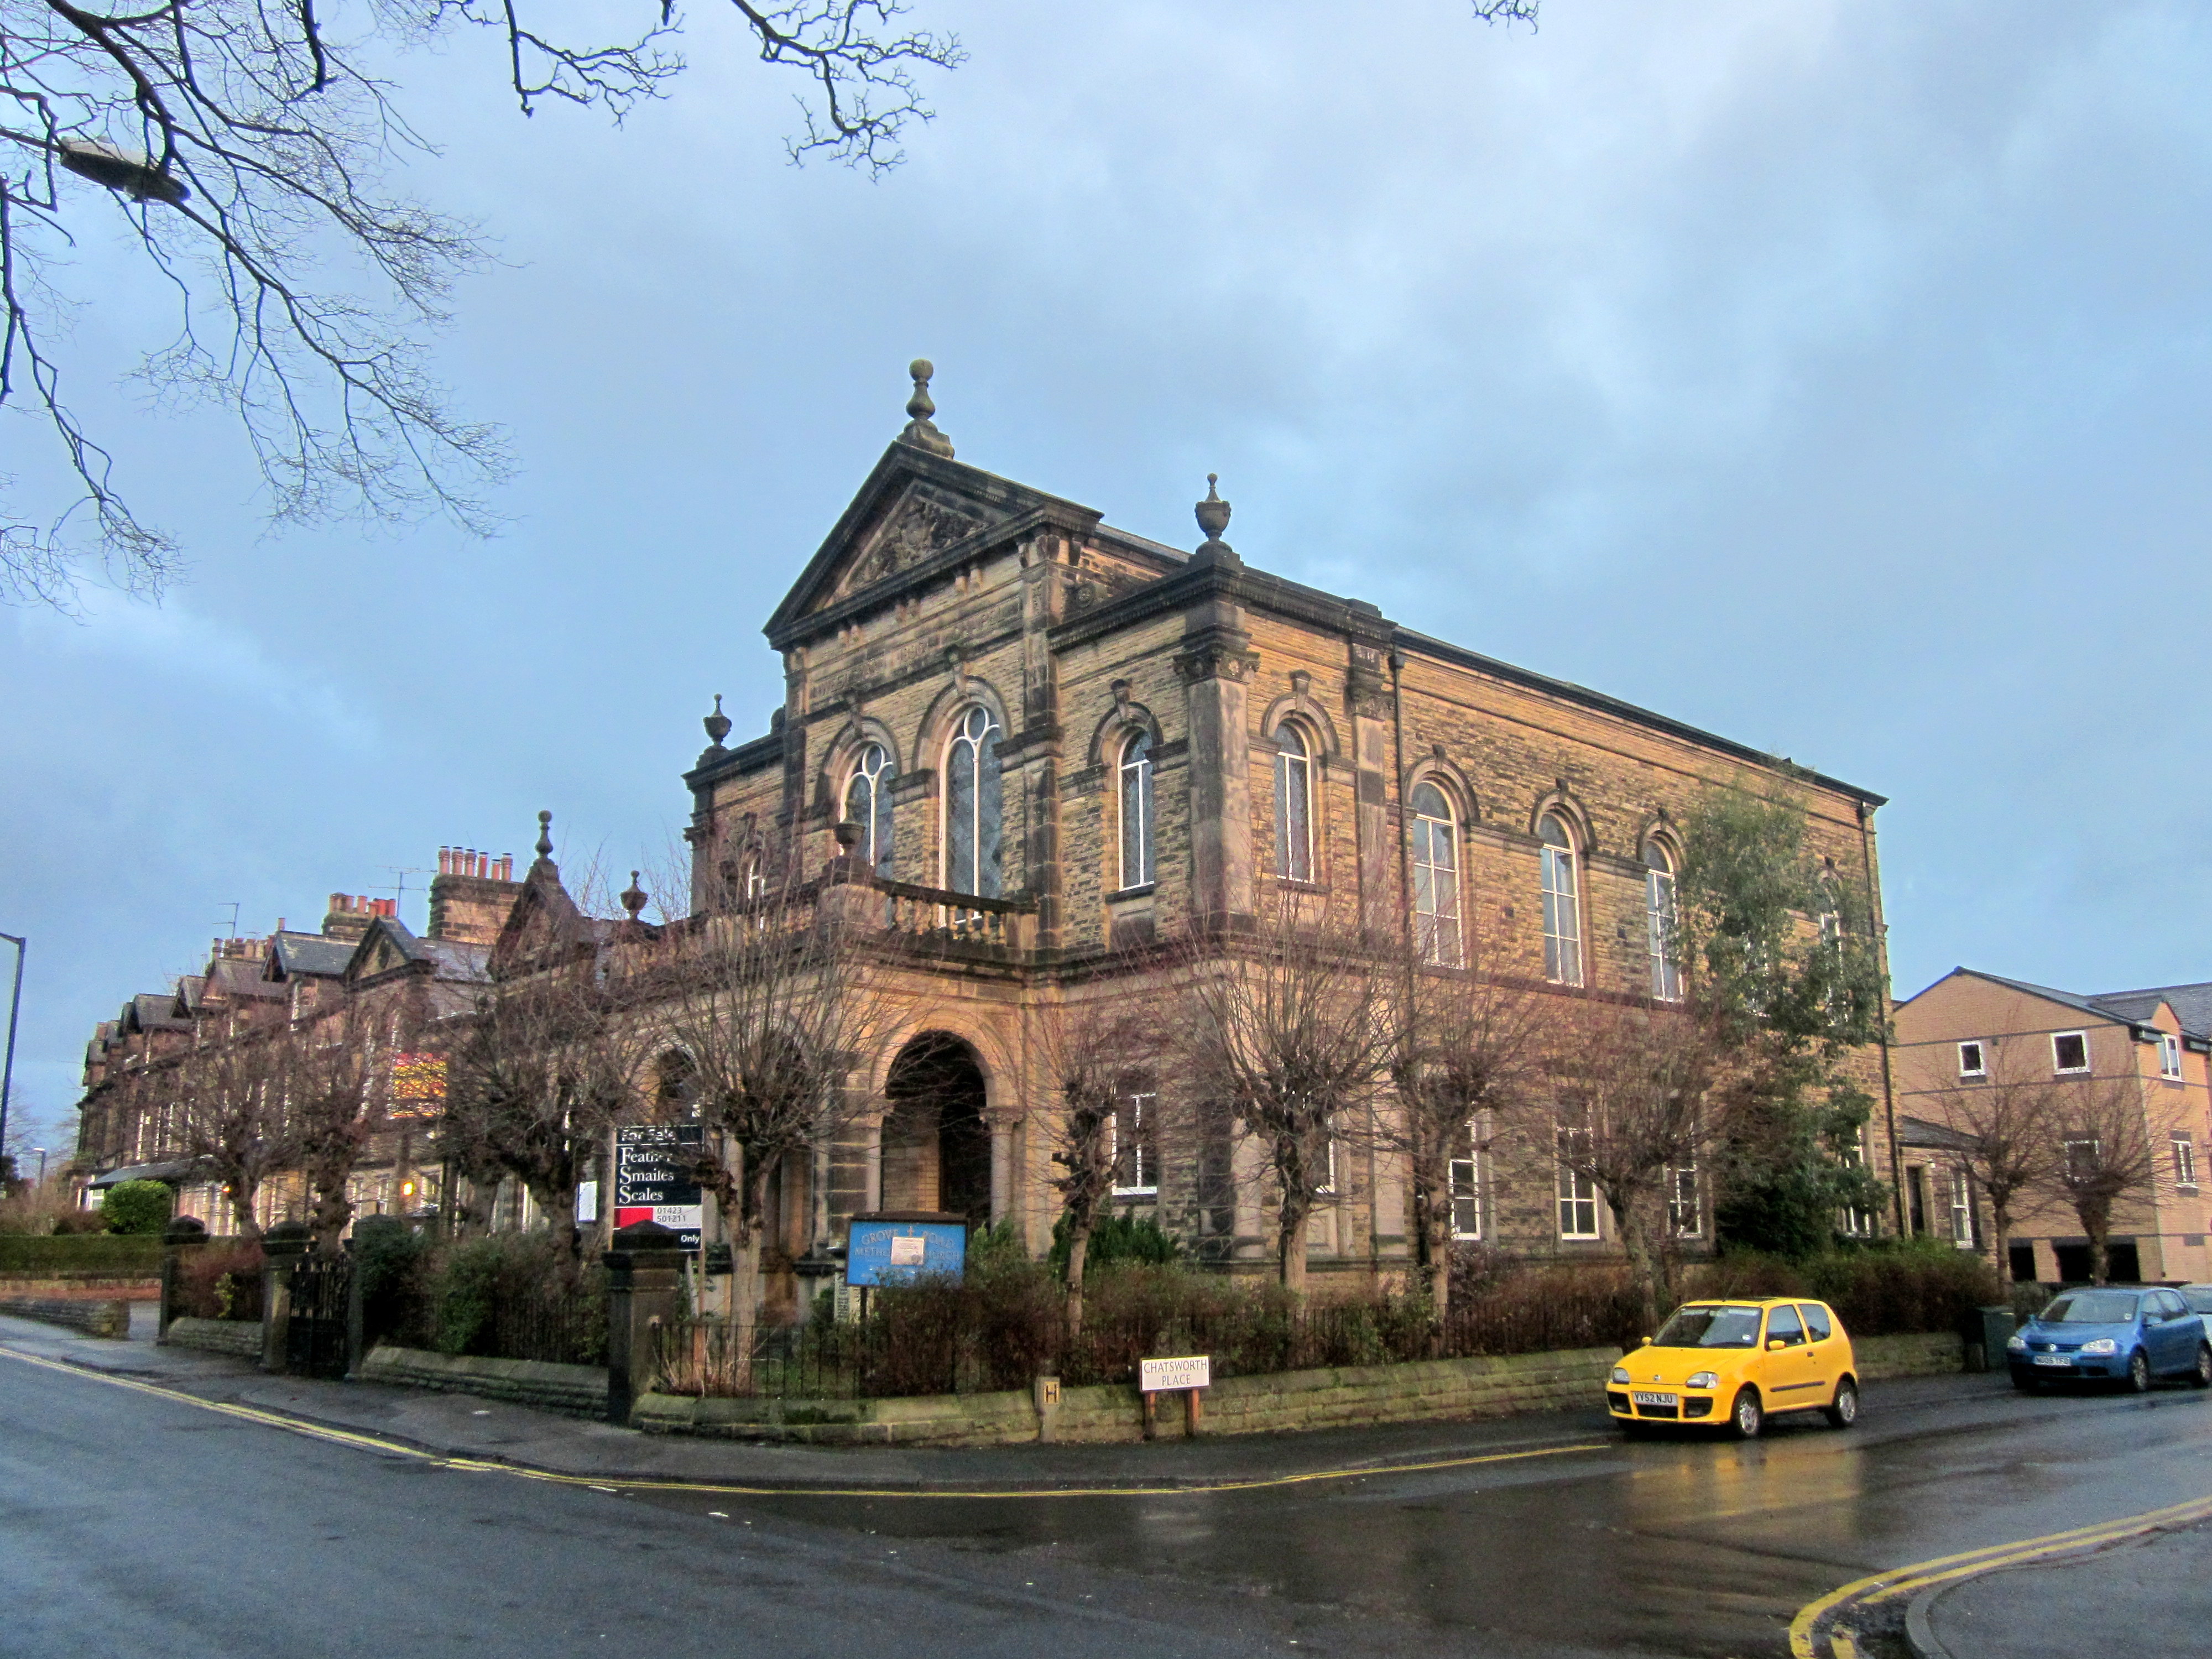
x=2111 y=1335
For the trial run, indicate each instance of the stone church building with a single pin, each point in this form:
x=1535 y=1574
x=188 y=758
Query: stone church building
x=1048 y=740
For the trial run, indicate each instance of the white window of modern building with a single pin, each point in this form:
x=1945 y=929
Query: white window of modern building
x=2185 y=1161
x=1563 y=924
x=1435 y=877
x=1974 y=1060
x=2070 y=1051
x=2169 y=1056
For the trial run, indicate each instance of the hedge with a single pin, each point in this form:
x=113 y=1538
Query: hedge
x=95 y=1254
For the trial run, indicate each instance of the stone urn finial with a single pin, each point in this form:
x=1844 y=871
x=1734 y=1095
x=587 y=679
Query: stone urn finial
x=1212 y=518
x=545 y=834
x=717 y=724
x=848 y=837
x=920 y=431
x=633 y=897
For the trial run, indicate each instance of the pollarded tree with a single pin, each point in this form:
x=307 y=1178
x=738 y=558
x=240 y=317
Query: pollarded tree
x=773 y=1005
x=327 y=1076
x=1289 y=1030
x=2109 y=1150
x=1470 y=1047
x=233 y=1120
x=2010 y=1143
x=1092 y=1056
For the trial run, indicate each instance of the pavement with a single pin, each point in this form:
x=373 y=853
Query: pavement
x=138 y=1523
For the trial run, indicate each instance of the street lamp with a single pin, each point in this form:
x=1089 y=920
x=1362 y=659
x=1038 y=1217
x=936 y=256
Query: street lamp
x=14 y=1007
x=42 y=1151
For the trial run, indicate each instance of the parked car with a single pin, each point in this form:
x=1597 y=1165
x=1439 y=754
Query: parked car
x=2199 y=1299
x=2112 y=1333
x=1733 y=1364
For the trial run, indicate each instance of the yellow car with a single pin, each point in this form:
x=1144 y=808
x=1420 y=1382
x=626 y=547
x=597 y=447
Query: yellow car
x=1736 y=1364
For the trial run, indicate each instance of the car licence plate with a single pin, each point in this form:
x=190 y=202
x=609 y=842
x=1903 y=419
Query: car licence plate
x=1656 y=1399
x=2052 y=1359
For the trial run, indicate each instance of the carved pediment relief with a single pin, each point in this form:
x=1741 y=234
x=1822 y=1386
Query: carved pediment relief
x=919 y=523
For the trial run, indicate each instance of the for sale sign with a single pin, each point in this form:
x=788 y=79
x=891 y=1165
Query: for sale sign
x=655 y=1180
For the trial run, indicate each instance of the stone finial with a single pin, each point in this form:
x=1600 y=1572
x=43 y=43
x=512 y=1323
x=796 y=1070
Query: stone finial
x=717 y=724
x=1213 y=519
x=849 y=836
x=633 y=897
x=920 y=431
x=545 y=834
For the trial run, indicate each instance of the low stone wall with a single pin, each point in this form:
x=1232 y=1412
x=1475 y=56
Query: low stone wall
x=110 y=1317
x=1932 y=1355
x=1348 y=1397
x=239 y=1338
x=573 y=1390
x=77 y=1287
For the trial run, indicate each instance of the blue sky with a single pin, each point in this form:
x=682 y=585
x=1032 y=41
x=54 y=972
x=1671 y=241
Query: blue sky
x=1833 y=376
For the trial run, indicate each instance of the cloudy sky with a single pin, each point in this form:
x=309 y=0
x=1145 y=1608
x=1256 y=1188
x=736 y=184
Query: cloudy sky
x=1830 y=375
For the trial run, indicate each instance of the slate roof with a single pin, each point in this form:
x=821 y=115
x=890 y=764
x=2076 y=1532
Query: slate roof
x=240 y=976
x=1919 y=1131
x=307 y=953
x=154 y=1011
x=2191 y=1006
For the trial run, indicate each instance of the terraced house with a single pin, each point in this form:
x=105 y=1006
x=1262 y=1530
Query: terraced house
x=1044 y=743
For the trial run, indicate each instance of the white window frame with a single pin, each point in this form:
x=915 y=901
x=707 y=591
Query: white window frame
x=1578 y=1214
x=1436 y=928
x=1562 y=906
x=1962 y=1208
x=1661 y=922
x=1980 y=1067
x=1854 y=1222
x=873 y=768
x=2169 y=1057
x=1135 y=809
x=2059 y=1070
x=1140 y=1187
x=2096 y=1156
x=1328 y=1188
x=1294 y=853
x=1686 y=1210
x=1463 y=1181
x=2184 y=1161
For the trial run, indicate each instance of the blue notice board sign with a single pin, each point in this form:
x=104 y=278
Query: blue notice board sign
x=889 y=1249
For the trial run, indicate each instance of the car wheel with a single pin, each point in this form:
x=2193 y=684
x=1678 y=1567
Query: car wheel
x=1845 y=1410
x=2138 y=1373
x=2200 y=1376
x=1747 y=1417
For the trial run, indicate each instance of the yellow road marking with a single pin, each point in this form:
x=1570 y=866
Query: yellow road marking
x=1876 y=1587
x=485 y=1466
x=1844 y=1644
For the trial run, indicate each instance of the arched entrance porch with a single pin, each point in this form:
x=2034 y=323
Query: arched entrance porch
x=936 y=1145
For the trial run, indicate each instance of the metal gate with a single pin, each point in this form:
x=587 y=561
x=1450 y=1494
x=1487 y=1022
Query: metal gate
x=315 y=1338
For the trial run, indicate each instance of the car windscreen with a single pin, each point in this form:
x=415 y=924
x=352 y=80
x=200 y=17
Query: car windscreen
x=1709 y=1328
x=2091 y=1307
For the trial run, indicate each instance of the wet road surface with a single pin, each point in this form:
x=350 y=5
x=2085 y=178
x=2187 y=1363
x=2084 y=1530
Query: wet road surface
x=132 y=1524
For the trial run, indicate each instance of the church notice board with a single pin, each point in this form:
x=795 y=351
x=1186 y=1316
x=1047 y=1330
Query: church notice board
x=654 y=1181
x=892 y=1246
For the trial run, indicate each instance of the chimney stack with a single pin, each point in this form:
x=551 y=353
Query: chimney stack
x=471 y=894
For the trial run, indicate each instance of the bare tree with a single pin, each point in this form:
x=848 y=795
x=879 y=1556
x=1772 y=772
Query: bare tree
x=1090 y=1054
x=250 y=149
x=536 y=1082
x=1289 y=1030
x=1469 y=1050
x=2009 y=1144
x=2110 y=1151
x=326 y=1075
x=234 y=1120
x=1633 y=1085
x=773 y=1005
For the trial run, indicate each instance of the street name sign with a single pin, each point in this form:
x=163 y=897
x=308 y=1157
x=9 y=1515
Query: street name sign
x=1166 y=1375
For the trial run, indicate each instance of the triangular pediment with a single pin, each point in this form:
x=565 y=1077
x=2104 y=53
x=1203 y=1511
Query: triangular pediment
x=917 y=510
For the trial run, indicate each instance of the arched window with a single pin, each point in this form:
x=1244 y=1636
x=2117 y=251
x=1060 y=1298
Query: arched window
x=972 y=815
x=1435 y=877
x=1294 y=850
x=1659 y=923
x=1563 y=916
x=1137 y=811
x=868 y=804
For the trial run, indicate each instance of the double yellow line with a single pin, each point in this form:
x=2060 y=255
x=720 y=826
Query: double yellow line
x=603 y=1483
x=1821 y=1617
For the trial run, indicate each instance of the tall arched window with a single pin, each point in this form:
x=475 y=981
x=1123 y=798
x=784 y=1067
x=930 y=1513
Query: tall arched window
x=1435 y=877
x=1563 y=916
x=868 y=804
x=1137 y=811
x=1294 y=850
x=1659 y=923
x=972 y=812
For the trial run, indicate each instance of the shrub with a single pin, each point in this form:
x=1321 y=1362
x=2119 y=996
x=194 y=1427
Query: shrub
x=219 y=1281
x=389 y=1258
x=77 y=1222
x=1114 y=1240
x=1892 y=1287
x=508 y=1296
x=136 y=1207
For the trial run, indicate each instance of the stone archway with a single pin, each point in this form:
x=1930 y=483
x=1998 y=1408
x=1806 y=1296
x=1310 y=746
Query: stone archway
x=936 y=1145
